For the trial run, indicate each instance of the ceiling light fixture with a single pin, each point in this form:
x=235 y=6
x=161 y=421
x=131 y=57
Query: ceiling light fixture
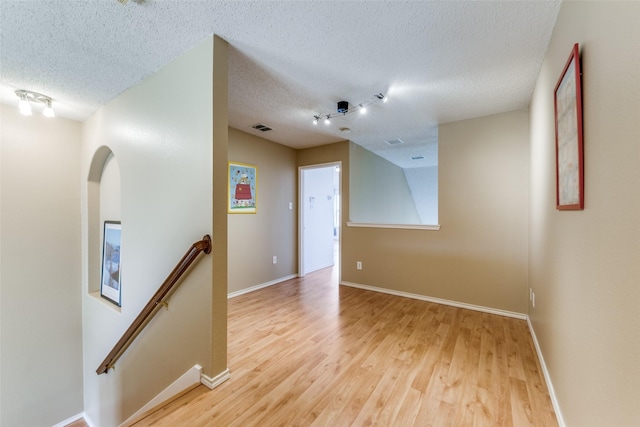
x=27 y=97
x=48 y=111
x=24 y=106
x=343 y=108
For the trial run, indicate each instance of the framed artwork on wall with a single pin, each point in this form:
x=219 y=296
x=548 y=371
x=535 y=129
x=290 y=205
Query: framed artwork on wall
x=110 y=278
x=569 y=144
x=242 y=188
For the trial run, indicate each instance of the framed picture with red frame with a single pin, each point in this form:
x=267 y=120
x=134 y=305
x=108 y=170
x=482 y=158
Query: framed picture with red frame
x=569 y=140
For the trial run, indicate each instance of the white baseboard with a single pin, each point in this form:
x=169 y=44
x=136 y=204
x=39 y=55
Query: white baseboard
x=489 y=310
x=70 y=420
x=88 y=420
x=260 y=286
x=217 y=380
x=547 y=377
x=187 y=381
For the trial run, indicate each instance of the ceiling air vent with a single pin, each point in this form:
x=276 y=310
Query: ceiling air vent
x=395 y=142
x=261 y=127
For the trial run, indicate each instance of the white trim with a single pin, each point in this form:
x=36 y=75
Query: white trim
x=260 y=286
x=489 y=310
x=435 y=227
x=88 y=420
x=217 y=380
x=547 y=377
x=70 y=420
x=186 y=382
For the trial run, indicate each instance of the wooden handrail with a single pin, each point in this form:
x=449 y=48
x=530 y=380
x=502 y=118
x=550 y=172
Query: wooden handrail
x=203 y=245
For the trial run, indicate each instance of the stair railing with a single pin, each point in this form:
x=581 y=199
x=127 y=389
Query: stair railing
x=149 y=310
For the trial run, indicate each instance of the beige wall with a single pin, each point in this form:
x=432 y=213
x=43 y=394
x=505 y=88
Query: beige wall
x=584 y=265
x=379 y=190
x=40 y=280
x=255 y=238
x=479 y=256
x=219 y=265
x=161 y=134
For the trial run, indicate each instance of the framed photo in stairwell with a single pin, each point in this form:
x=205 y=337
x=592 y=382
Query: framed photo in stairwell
x=111 y=263
x=242 y=188
x=569 y=144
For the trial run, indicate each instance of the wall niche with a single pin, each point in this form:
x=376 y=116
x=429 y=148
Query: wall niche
x=104 y=204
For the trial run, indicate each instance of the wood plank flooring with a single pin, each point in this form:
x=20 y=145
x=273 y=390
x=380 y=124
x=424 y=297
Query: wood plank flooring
x=308 y=352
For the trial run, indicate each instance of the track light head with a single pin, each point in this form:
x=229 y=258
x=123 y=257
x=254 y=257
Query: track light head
x=48 y=111
x=24 y=107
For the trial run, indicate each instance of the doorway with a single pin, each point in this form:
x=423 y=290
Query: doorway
x=320 y=216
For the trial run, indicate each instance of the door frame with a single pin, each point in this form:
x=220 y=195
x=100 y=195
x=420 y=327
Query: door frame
x=301 y=219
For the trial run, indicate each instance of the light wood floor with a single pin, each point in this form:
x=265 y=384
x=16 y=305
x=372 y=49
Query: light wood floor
x=309 y=352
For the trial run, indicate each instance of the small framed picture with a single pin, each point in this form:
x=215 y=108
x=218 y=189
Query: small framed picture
x=111 y=267
x=569 y=145
x=242 y=188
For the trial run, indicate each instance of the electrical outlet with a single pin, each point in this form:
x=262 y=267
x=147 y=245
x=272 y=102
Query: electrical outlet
x=358 y=265
x=533 y=300
x=290 y=205
x=275 y=259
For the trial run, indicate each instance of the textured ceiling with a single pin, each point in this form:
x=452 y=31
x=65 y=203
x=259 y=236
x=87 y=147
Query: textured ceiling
x=438 y=61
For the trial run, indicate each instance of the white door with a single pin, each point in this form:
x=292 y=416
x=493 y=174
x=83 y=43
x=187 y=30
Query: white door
x=317 y=214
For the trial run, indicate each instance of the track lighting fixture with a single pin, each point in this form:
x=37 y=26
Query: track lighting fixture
x=27 y=97
x=343 y=108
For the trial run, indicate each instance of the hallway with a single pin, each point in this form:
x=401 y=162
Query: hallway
x=310 y=352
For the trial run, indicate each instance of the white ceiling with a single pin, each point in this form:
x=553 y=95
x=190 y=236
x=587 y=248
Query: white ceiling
x=437 y=61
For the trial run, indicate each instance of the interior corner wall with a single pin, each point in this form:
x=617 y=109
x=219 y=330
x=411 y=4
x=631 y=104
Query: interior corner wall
x=379 y=190
x=160 y=132
x=255 y=238
x=40 y=275
x=479 y=256
x=584 y=265
x=423 y=183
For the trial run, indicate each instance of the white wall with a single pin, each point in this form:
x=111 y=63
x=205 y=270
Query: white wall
x=160 y=133
x=379 y=190
x=423 y=183
x=317 y=207
x=110 y=192
x=40 y=310
x=585 y=265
